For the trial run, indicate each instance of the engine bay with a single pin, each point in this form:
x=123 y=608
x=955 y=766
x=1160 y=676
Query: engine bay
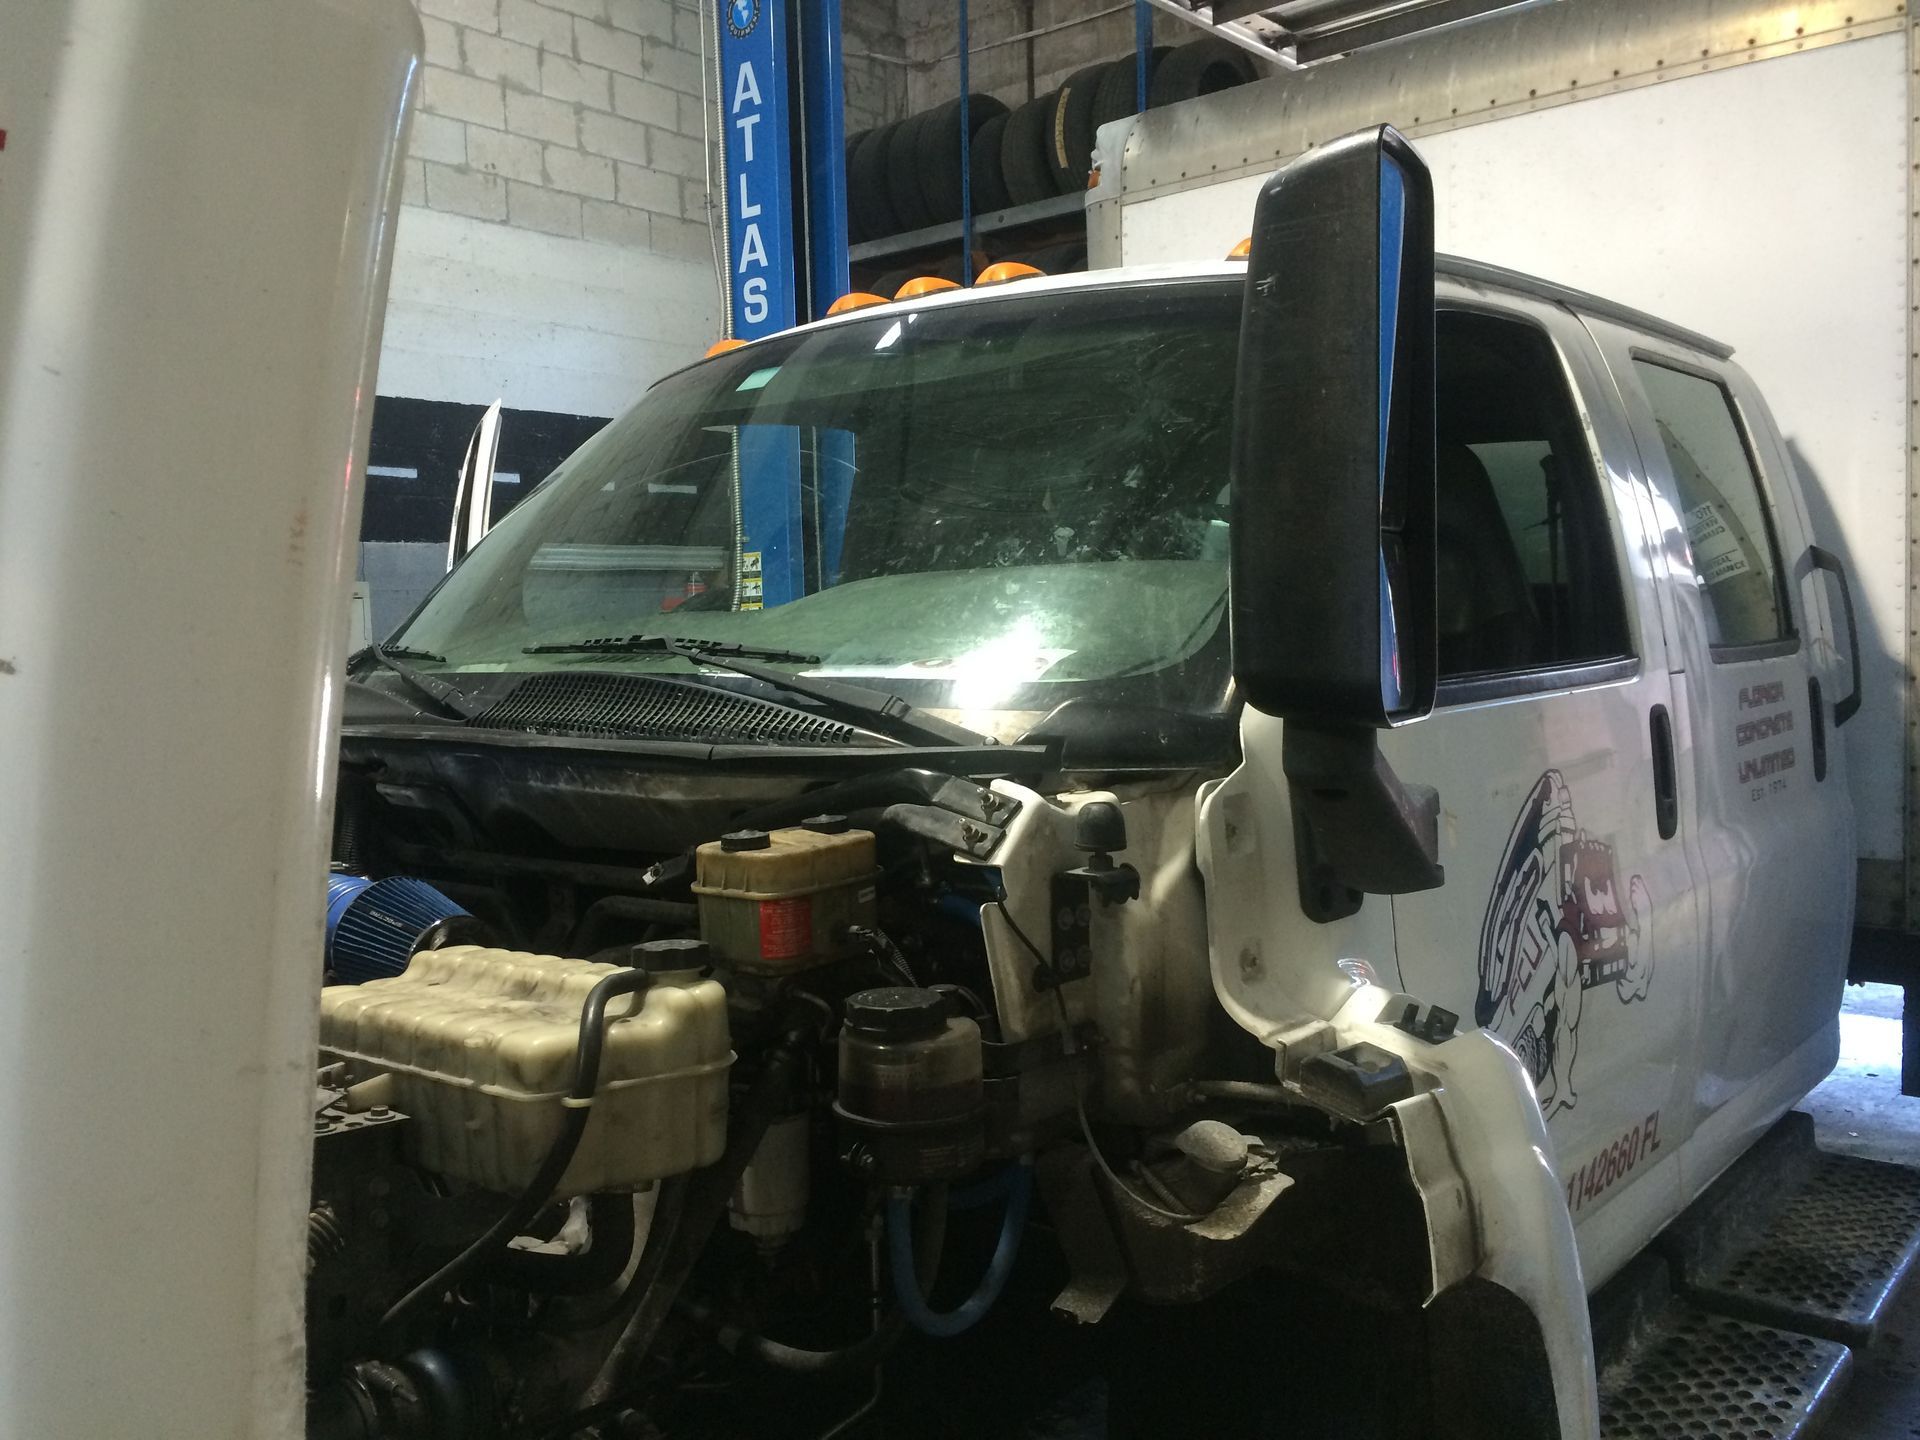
x=688 y=1140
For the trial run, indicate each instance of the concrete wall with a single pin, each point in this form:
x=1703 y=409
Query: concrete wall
x=874 y=63
x=553 y=250
x=1018 y=71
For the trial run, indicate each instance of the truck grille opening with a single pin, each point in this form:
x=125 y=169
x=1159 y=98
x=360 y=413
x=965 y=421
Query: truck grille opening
x=645 y=707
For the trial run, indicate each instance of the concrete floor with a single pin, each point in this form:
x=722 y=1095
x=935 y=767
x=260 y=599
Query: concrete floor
x=1859 y=1110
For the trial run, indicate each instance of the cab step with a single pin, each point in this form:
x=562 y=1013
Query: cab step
x=1692 y=1373
x=1829 y=1260
x=1744 y=1317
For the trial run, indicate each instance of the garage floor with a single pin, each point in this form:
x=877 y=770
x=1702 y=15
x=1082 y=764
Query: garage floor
x=1859 y=1110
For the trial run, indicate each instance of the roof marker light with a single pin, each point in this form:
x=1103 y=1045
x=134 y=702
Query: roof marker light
x=855 y=300
x=1242 y=250
x=722 y=346
x=923 y=285
x=1003 y=271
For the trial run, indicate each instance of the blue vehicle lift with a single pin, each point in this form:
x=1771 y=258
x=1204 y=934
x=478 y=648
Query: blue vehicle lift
x=784 y=226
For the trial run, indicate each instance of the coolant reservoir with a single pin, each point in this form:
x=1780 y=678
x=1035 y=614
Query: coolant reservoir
x=480 y=1044
x=782 y=899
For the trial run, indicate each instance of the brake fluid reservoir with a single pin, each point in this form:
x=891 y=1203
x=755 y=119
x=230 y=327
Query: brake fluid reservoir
x=783 y=899
x=912 y=1091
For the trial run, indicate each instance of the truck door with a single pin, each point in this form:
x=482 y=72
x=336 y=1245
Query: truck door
x=1567 y=922
x=1773 y=833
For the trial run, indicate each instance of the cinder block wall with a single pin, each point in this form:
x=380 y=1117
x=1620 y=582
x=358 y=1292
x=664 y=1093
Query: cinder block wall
x=572 y=117
x=553 y=246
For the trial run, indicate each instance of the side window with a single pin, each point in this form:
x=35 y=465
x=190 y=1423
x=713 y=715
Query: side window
x=1728 y=529
x=1527 y=578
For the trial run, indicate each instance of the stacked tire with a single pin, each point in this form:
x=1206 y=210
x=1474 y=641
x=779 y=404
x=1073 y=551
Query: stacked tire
x=909 y=176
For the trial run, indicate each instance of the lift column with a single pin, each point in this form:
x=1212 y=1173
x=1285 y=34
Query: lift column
x=784 y=222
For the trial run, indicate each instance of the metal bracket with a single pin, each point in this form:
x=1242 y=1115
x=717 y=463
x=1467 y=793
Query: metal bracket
x=1072 y=921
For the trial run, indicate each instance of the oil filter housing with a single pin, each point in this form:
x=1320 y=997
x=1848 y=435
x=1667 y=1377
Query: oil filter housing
x=781 y=900
x=912 y=1094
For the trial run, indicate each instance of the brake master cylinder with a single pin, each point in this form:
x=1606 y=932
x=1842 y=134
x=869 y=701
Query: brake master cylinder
x=780 y=900
x=912 y=1093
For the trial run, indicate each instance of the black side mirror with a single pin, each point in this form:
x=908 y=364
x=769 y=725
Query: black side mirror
x=1333 y=461
x=1333 y=539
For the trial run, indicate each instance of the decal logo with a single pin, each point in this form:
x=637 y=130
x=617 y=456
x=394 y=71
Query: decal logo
x=1556 y=927
x=742 y=16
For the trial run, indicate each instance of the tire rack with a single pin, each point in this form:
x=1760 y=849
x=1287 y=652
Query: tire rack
x=919 y=200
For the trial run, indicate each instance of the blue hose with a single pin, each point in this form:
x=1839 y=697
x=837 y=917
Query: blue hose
x=906 y=1288
x=984 y=1192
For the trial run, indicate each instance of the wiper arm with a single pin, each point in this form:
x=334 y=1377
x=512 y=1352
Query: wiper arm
x=880 y=709
x=394 y=658
x=670 y=645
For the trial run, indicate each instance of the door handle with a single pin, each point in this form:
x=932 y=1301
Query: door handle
x=1818 y=558
x=1666 y=782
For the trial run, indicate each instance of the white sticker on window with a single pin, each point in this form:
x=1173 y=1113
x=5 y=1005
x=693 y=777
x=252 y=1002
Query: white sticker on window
x=1717 y=554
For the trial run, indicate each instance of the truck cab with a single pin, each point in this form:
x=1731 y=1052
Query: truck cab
x=1493 y=969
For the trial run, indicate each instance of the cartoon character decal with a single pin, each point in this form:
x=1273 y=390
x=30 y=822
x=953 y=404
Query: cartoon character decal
x=1555 y=928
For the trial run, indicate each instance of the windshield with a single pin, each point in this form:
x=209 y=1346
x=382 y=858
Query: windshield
x=985 y=507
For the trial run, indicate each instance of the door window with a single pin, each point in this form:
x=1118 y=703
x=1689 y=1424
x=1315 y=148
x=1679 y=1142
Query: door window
x=1527 y=576
x=1735 y=560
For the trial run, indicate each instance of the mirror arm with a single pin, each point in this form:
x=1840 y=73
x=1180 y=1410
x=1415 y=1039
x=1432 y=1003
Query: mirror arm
x=1364 y=828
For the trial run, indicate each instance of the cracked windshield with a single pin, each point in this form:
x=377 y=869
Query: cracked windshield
x=990 y=506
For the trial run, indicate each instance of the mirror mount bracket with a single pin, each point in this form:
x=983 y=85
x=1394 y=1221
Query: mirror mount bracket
x=1358 y=828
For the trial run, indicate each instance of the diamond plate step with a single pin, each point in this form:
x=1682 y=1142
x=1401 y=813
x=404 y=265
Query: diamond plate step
x=1700 y=1376
x=1828 y=1260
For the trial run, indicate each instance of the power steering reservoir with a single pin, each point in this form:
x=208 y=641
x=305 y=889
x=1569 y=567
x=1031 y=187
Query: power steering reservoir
x=912 y=1093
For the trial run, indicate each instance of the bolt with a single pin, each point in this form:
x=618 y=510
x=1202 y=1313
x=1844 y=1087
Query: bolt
x=971 y=833
x=380 y=1112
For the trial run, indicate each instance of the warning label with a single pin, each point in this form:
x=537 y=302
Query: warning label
x=1717 y=552
x=786 y=928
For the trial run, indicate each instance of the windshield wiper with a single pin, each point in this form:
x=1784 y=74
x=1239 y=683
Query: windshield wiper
x=880 y=710
x=671 y=645
x=394 y=658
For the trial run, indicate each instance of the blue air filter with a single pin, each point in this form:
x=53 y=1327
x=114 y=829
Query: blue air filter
x=374 y=926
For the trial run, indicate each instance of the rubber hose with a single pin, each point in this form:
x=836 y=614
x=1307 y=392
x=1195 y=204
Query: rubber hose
x=706 y=1201
x=1245 y=1092
x=907 y=1288
x=586 y=1080
x=982 y=1192
x=605 y=1259
x=864 y=1353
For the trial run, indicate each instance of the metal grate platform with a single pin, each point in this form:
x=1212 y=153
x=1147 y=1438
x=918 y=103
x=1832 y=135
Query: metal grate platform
x=1830 y=1259
x=1699 y=1376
